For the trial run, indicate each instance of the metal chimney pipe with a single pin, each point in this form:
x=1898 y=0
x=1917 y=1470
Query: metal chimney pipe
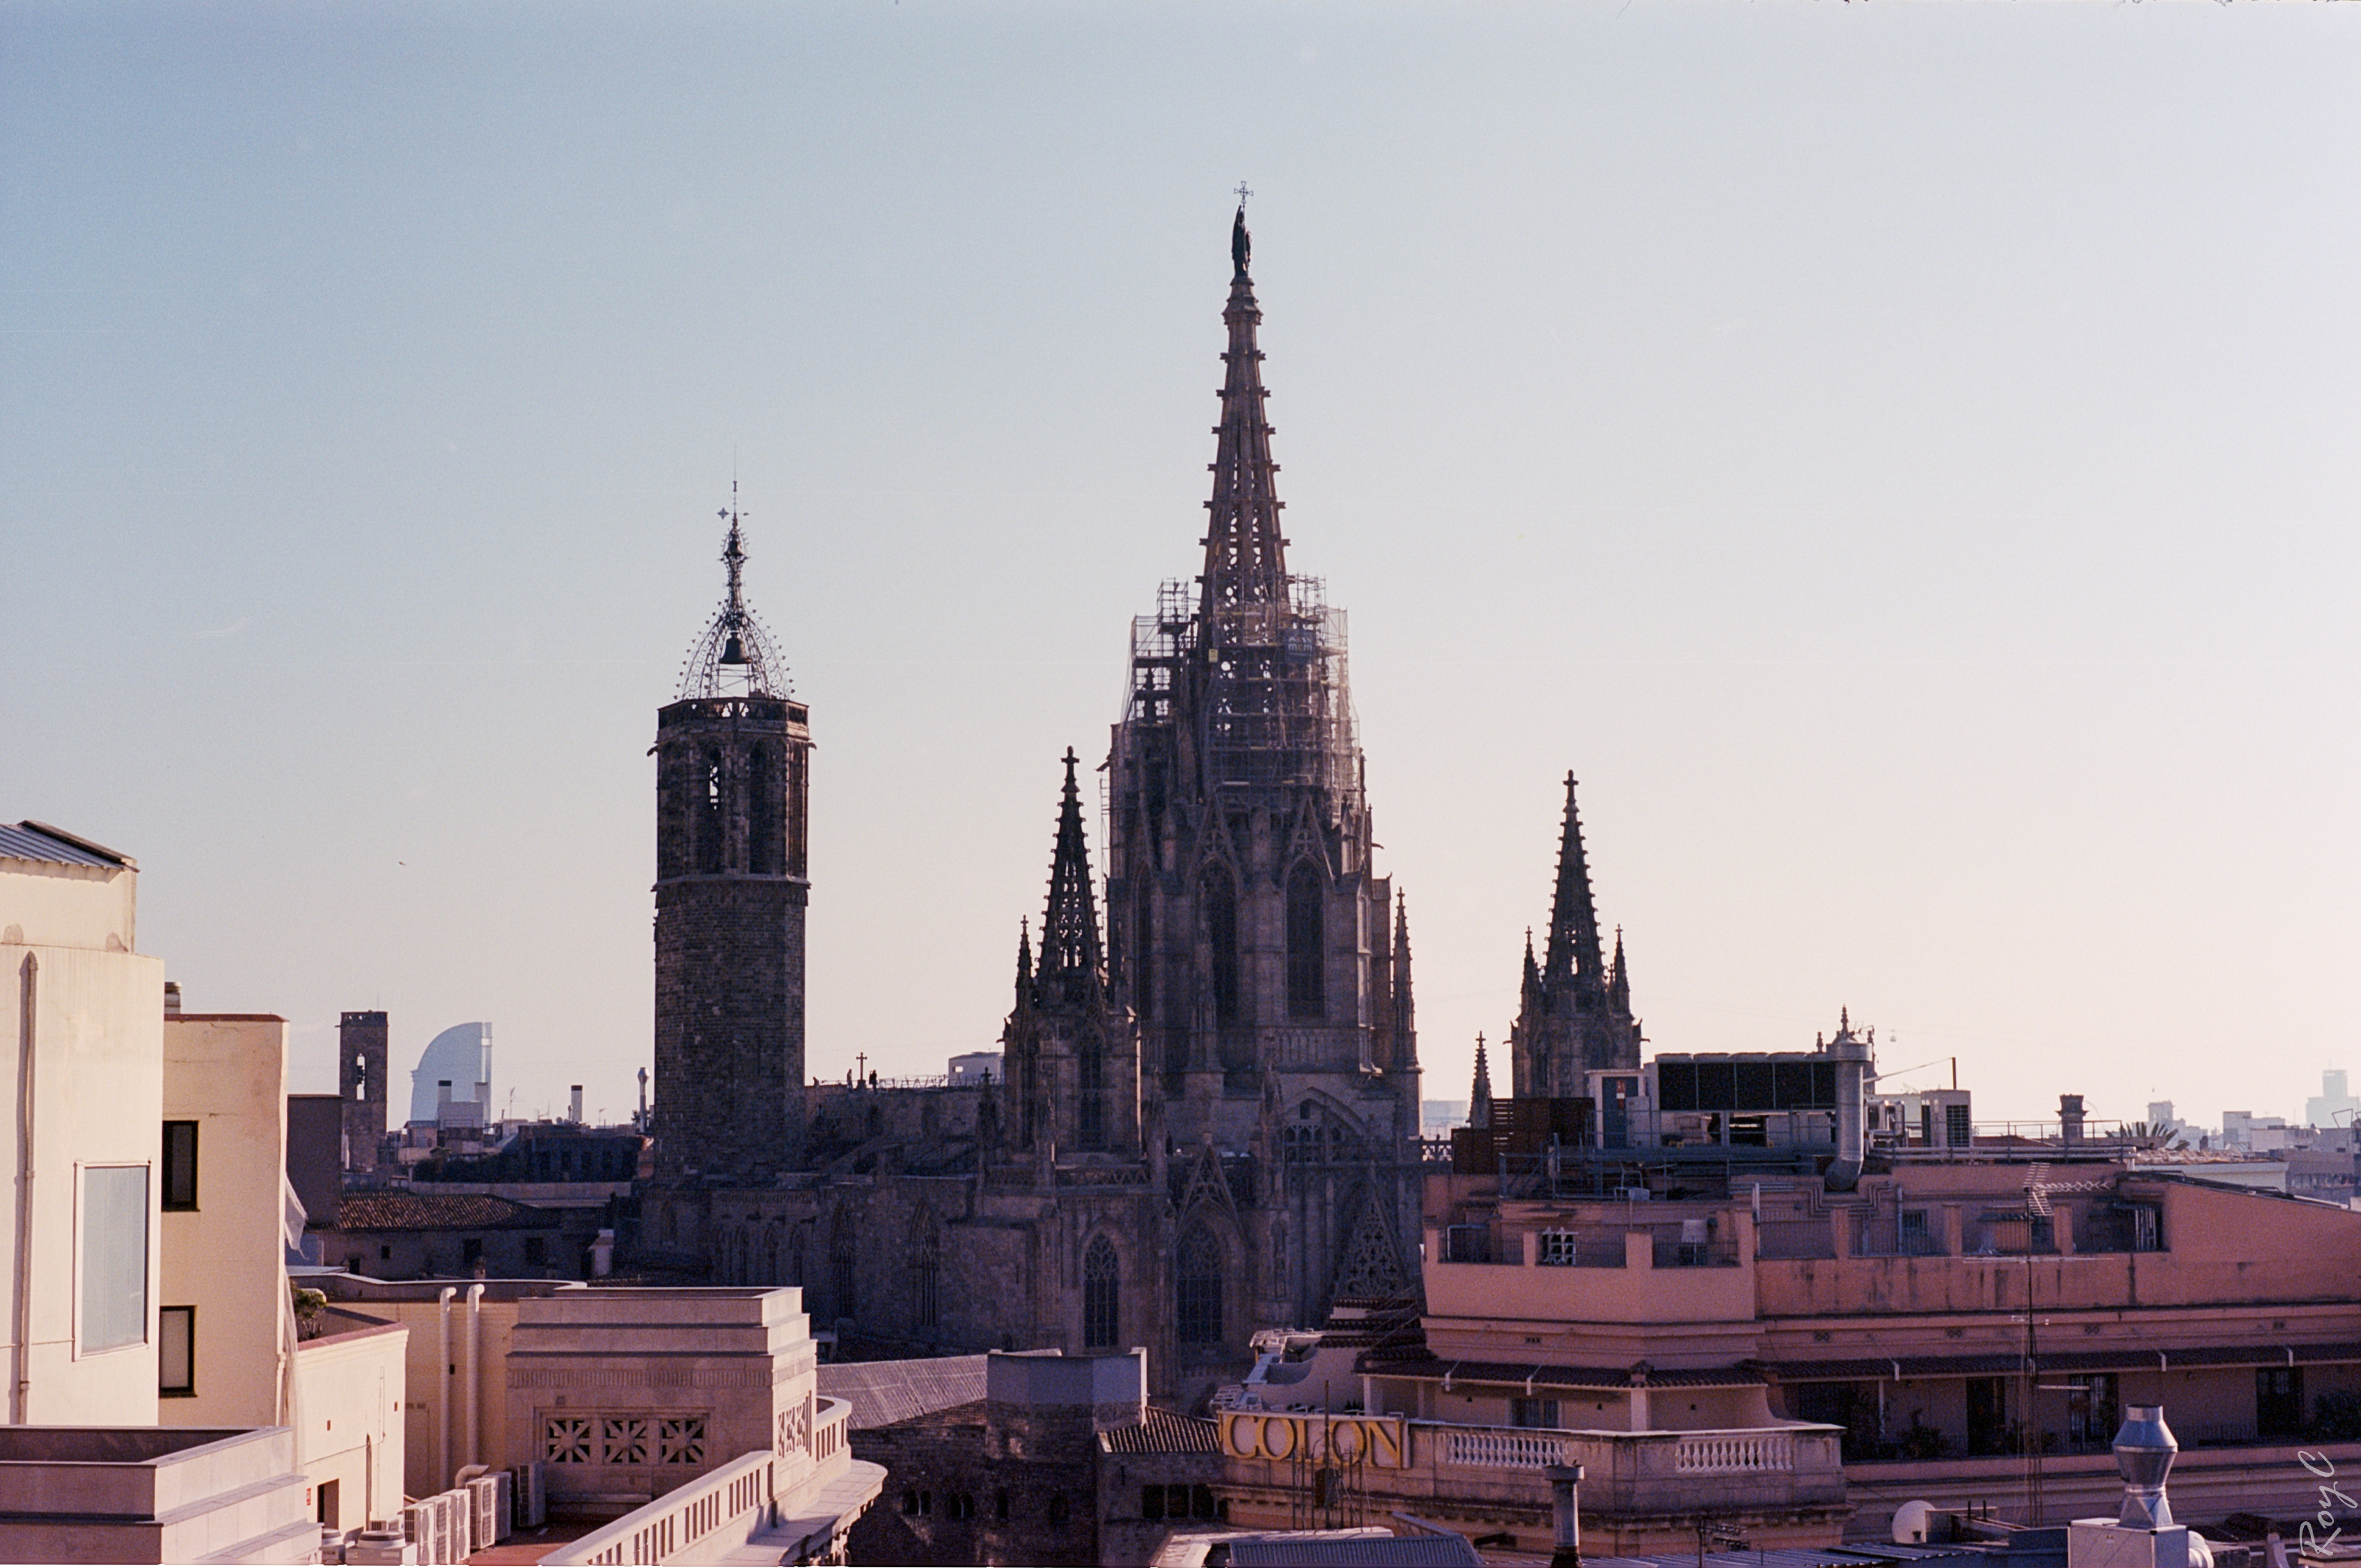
x=2145 y=1448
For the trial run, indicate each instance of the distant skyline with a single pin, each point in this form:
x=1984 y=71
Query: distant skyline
x=1899 y=458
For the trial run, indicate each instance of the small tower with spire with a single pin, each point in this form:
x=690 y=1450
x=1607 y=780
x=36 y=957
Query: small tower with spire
x=1574 y=1014
x=1069 y=1049
x=733 y=756
x=1479 y=1096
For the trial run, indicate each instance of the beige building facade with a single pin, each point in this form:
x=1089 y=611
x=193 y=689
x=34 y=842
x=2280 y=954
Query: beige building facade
x=84 y=1010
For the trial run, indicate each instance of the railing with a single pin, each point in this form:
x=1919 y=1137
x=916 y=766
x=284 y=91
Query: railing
x=735 y=1500
x=1732 y=1453
x=828 y=1428
x=1504 y=1448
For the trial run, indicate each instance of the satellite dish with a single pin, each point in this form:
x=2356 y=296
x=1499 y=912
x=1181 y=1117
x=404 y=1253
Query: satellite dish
x=1910 y=1521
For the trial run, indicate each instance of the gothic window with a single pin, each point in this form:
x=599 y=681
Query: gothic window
x=1091 y=1095
x=925 y=1273
x=843 y=1262
x=1220 y=900
x=1197 y=1288
x=1306 y=975
x=762 y=818
x=708 y=816
x=1102 y=1297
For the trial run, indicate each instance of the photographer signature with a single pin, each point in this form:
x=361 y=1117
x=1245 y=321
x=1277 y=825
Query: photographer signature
x=2331 y=1497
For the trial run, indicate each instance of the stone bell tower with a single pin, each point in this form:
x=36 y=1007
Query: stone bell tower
x=733 y=757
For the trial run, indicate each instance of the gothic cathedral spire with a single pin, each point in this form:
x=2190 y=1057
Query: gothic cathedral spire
x=1070 y=972
x=1572 y=958
x=1245 y=558
x=1070 y=1053
x=1574 y=1013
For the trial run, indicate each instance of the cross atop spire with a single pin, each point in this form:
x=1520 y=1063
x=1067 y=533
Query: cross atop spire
x=1573 y=954
x=1069 y=970
x=1245 y=558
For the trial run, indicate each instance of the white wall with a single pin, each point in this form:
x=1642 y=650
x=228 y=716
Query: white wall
x=95 y=1011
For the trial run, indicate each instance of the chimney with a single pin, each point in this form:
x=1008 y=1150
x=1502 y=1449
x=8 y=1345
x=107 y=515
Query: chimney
x=2069 y=1118
x=2145 y=1448
x=172 y=999
x=442 y=1092
x=578 y=1105
x=1853 y=1056
x=1565 y=1514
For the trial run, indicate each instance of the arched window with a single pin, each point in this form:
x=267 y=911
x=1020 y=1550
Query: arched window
x=761 y=815
x=1089 y=1094
x=1101 y=1297
x=1221 y=900
x=1307 y=991
x=708 y=816
x=1197 y=1288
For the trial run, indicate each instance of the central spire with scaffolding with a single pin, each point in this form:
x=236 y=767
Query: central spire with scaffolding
x=1251 y=666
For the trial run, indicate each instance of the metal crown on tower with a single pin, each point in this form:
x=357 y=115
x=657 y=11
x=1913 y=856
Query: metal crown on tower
x=735 y=655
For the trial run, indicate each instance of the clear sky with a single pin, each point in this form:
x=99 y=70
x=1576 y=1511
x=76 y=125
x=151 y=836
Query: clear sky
x=1901 y=457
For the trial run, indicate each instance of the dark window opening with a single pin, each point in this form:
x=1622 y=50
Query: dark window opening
x=536 y=1249
x=1101 y=1297
x=1089 y=1112
x=761 y=816
x=1057 y=1508
x=1987 y=1416
x=1143 y=936
x=708 y=818
x=924 y=1307
x=332 y=1513
x=1197 y=1289
x=471 y=1251
x=2278 y=1401
x=1000 y=1503
x=1307 y=991
x=1222 y=937
x=179 y=1165
x=841 y=1254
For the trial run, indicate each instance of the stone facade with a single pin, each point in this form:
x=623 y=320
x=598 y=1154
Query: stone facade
x=1208 y=1121
x=1013 y=1477
x=360 y=1085
x=627 y=1394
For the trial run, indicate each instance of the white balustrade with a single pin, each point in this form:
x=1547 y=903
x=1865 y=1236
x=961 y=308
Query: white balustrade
x=1733 y=1453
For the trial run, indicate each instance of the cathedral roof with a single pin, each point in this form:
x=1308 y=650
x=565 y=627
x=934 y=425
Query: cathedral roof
x=884 y=1392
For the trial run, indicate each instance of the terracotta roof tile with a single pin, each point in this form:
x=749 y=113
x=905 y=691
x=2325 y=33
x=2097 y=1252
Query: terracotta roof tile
x=438 y=1211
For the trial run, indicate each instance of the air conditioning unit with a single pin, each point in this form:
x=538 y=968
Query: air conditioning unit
x=1632 y=1194
x=503 y=1504
x=483 y=1513
x=532 y=1494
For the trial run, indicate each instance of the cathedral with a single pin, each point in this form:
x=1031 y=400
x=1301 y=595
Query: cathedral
x=1207 y=1118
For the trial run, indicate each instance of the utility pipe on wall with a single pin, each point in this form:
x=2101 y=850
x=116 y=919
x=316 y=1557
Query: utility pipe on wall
x=443 y=1387
x=474 y=1365
x=20 y=1400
